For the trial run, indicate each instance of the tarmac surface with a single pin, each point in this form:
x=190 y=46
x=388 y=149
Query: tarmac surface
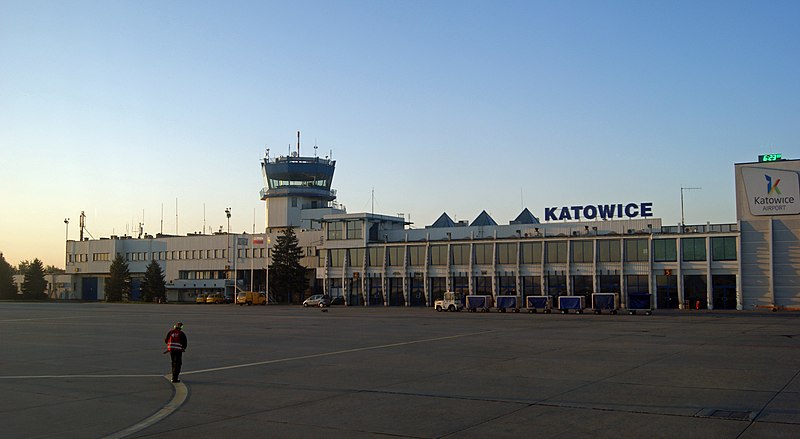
x=96 y=370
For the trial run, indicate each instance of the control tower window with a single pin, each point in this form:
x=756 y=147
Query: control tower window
x=335 y=231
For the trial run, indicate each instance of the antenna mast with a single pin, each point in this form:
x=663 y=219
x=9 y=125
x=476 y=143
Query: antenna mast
x=298 y=143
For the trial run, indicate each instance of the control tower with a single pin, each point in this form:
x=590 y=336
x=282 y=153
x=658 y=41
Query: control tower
x=297 y=190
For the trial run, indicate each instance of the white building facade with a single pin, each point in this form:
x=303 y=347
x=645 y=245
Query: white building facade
x=379 y=260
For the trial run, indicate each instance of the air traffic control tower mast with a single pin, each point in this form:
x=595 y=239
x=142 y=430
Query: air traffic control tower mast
x=297 y=190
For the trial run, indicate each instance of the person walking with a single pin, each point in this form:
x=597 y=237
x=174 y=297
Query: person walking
x=176 y=343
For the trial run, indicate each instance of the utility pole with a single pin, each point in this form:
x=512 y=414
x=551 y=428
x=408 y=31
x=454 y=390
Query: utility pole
x=683 y=220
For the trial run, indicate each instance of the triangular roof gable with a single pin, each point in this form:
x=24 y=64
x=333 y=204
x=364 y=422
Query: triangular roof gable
x=444 y=221
x=526 y=217
x=483 y=220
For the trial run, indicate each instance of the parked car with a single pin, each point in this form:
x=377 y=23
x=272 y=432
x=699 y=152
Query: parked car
x=215 y=298
x=320 y=300
x=228 y=298
x=201 y=298
x=338 y=300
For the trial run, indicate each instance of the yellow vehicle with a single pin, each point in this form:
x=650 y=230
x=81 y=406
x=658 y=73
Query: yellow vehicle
x=251 y=298
x=201 y=298
x=215 y=298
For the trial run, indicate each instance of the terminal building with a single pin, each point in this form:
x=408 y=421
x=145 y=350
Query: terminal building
x=381 y=260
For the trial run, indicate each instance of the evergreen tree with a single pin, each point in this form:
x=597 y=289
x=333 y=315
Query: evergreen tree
x=118 y=285
x=8 y=289
x=153 y=286
x=34 y=285
x=286 y=274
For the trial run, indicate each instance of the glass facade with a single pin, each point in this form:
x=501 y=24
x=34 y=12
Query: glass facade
x=582 y=251
x=723 y=248
x=665 y=250
x=694 y=249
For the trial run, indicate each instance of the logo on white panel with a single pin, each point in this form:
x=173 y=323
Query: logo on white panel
x=772 y=191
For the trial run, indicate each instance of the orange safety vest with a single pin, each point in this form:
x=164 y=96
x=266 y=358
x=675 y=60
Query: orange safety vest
x=174 y=341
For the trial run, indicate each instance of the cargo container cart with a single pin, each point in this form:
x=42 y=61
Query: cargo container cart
x=640 y=302
x=507 y=302
x=605 y=302
x=566 y=303
x=535 y=303
x=478 y=302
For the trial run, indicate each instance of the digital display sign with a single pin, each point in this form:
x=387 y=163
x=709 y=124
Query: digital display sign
x=769 y=158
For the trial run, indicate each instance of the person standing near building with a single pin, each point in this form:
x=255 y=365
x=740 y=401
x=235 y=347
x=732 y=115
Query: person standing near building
x=176 y=343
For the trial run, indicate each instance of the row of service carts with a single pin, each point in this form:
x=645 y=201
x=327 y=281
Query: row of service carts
x=601 y=302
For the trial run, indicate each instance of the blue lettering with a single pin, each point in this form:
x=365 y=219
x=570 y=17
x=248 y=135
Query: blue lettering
x=549 y=214
x=619 y=211
x=590 y=212
x=576 y=210
x=646 y=210
x=564 y=214
x=606 y=211
x=631 y=210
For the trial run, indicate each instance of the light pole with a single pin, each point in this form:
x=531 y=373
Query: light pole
x=683 y=221
x=228 y=214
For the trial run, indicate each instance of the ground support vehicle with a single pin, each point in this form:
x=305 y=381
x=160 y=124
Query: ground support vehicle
x=640 y=302
x=536 y=303
x=507 y=302
x=215 y=298
x=605 y=302
x=566 y=303
x=450 y=301
x=251 y=298
x=479 y=302
x=201 y=298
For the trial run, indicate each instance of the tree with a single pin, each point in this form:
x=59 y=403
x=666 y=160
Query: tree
x=34 y=285
x=153 y=286
x=118 y=285
x=8 y=289
x=286 y=274
x=52 y=269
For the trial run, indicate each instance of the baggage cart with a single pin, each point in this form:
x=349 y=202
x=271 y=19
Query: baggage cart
x=479 y=302
x=605 y=302
x=640 y=302
x=566 y=303
x=507 y=302
x=535 y=303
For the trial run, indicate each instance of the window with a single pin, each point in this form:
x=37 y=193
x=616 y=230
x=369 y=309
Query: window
x=582 y=251
x=438 y=255
x=636 y=250
x=483 y=254
x=665 y=250
x=556 y=251
x=531 y=253
x=637 y=284
x=375 y=256
x=336 y=257
x=355 y=257
x=460 y=254
x=507 y=253
x=395 y=255
x=608 y=250
x=354 y=230
x=99 y=257
x=723 y=248
x=694 y=249
x=335 y=230
x=416 y=255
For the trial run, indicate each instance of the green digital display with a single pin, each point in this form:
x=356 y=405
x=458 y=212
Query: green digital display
x=769 y=158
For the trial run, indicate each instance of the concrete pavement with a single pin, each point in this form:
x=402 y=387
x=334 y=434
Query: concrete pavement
x=97 y=370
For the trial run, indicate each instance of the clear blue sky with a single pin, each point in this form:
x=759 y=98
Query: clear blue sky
x=118 y=108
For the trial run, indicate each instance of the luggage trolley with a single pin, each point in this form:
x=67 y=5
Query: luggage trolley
x=477 y=302
x=535 y=303
x=640 y=302
x=566 y=303
x=507 y=302
x=605 y=301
